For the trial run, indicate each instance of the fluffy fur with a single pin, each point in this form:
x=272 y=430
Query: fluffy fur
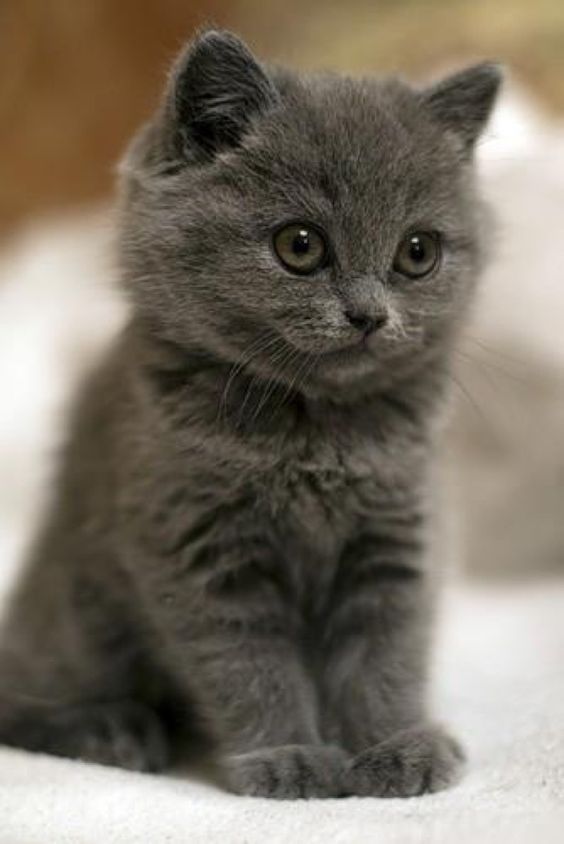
x=235 y=563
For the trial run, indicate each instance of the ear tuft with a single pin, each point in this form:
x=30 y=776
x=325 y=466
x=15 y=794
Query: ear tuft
x=463 y=102
x=216 y=89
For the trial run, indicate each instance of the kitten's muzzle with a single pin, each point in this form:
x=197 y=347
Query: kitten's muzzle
x=364 y=304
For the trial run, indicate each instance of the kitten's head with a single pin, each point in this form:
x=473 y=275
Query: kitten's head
x=318 y=229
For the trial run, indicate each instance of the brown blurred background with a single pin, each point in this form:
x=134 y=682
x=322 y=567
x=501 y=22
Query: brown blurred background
x=77 y=76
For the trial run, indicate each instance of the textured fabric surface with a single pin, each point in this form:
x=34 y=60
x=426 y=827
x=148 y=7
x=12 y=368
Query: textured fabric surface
x=499 y=683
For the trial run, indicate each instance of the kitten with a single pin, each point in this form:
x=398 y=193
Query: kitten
x=236 y=562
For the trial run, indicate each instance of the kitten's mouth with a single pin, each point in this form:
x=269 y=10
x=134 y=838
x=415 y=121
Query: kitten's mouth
x=325 y=358
x=347 y=361
x=359 y=348
x=330 y=351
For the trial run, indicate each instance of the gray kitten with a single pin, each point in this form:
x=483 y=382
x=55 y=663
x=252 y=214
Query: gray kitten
x=235 y=563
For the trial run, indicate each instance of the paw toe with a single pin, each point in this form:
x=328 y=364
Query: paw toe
x=409 y=763
x=288 y=773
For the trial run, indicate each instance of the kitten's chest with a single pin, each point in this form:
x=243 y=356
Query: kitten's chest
x=319 y=504
x=322 y=500
x=317 y=501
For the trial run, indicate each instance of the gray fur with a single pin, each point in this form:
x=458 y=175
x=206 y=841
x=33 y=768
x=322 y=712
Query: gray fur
x=236 y=562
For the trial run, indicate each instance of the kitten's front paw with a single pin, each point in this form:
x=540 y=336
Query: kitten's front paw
x=127 y=735
x=288 y=772
x=411 y=762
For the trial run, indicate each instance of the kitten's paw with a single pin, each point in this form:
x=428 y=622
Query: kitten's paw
x=126 y=735
x=411 y=762
x=288 y=772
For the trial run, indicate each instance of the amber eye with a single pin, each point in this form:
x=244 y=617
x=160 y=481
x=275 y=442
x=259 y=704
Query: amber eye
x=418 y=254
x=300 y=247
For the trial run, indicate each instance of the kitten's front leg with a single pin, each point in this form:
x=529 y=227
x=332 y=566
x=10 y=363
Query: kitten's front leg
x=263 y=706
x=234 y=640
x=265 y=712
x=375 y=675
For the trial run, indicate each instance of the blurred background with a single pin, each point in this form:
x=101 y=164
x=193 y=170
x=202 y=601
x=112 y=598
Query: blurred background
x=78 y=76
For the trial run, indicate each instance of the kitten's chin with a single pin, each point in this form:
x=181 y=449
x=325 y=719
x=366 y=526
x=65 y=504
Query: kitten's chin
x=348 y=362
x=343 y=375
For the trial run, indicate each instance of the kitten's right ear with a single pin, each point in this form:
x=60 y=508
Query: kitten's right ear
x=216 y=89
x=462 y=103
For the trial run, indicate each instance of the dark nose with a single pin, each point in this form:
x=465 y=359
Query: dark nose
x=366 y=324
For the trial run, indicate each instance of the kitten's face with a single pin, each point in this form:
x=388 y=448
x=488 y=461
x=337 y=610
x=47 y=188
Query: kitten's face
x=332 y=240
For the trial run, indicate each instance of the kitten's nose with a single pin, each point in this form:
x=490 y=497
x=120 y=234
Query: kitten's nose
x=365 y=323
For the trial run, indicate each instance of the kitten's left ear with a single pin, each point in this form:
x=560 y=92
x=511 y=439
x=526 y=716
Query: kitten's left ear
x=216 y=89
x=463 y=102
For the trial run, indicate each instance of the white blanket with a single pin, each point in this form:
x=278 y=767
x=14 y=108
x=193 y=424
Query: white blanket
x=500 y=685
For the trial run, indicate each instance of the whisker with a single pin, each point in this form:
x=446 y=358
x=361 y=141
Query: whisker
x=471 y=400
x=278 y=353
x=291 y=384
x=499 y=353
x=281 y=360
x=262 y=343
x=292 y=356
x=494 y=367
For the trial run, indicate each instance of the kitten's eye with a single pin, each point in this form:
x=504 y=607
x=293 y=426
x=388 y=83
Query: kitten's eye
x=300 y=247
x=418 y=254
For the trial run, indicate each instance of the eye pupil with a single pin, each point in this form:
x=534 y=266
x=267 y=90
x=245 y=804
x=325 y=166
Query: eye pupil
x=417 y=251
x=300 y=243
